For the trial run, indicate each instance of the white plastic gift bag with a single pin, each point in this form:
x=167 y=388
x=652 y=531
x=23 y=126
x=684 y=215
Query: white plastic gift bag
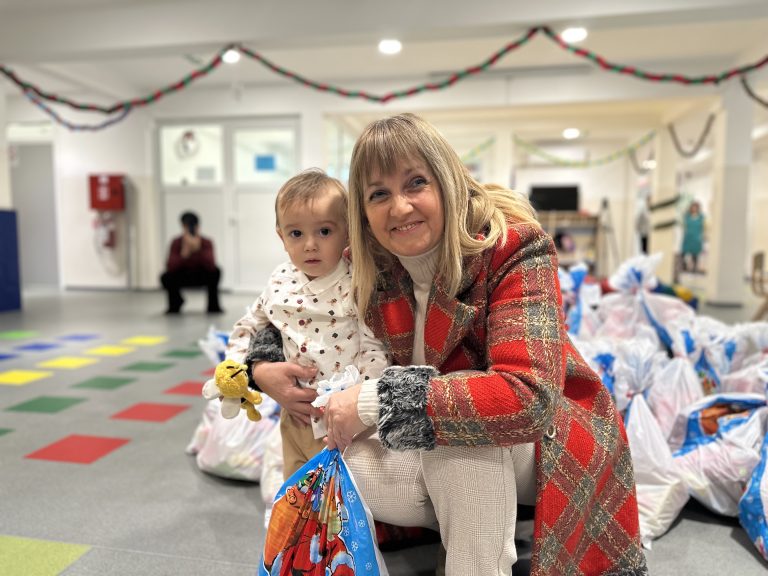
x=233 y=447
x=717 y=462
x=753 y=506
x=675 y=386
x=661 y=493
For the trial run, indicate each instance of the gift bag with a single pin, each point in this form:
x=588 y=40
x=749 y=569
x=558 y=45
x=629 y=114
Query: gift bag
x=320 y=525
x=753 y=506
x=675 y=387
x=722 y=448
x=233 y=448
x=661 y=492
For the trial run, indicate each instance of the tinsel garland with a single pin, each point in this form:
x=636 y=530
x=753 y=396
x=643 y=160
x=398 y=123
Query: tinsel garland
x=699 y=143
x=533 y=149
x=477 y=150
x=451 y=80
x=71 y=125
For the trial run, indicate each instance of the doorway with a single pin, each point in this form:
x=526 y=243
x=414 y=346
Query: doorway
x=229 y=172
x=32 y=194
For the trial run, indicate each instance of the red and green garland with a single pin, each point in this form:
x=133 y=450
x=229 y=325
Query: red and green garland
x=121 y=109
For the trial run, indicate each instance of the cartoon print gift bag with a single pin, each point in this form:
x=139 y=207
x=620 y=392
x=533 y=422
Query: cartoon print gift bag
x=320 y=525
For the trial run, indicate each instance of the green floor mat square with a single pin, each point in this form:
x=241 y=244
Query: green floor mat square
x=27 y=557
x=5 y=431
x=183 y=353
x=147 y=366
x=104 y=382
x=17 y=334
x=48 y=404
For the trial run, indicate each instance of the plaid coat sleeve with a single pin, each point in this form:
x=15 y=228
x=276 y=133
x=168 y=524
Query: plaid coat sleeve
x=496 y=351
x=512 y=394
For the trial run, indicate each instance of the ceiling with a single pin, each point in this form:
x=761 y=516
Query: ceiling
x=114 y=50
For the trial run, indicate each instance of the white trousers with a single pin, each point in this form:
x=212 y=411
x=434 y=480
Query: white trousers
x=469 y=494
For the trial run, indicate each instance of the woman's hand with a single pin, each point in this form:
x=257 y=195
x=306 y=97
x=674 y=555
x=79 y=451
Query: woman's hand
x=341 y=418
x=279 y=381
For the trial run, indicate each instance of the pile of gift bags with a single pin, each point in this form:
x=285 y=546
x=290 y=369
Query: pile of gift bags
x=693 y=394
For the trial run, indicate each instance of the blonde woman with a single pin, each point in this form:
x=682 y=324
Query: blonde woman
x=488 y=404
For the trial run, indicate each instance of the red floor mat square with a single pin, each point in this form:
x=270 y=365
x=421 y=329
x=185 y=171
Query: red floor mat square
x=78 y=449
x=188 y=388
x=150 y=412
x=209 y=372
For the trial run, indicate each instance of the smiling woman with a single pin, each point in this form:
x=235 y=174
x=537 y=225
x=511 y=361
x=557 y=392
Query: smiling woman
x=488 y=405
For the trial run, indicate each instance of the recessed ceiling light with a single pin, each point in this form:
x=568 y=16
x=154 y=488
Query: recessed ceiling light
x=231 y=56
x=390 y=46
x=571 y=133
x=573 y=35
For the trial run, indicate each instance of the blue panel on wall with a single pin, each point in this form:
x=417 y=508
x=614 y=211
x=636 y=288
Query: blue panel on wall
x=10 y=281
x=265 y=163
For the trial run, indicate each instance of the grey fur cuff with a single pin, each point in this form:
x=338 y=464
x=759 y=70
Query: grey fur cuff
x=403 y=420
x=265 y=345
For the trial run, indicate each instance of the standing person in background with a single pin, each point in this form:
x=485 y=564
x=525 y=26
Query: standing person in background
x=489 y=404
x=693 y=237
x=191 y=262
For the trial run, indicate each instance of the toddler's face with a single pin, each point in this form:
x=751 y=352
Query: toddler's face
x=314 y=234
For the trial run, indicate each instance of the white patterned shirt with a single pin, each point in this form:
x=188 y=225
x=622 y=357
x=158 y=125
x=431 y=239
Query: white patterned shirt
x=317 y=320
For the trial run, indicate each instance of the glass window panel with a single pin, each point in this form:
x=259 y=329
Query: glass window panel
x=191 y=155
x=264 y=155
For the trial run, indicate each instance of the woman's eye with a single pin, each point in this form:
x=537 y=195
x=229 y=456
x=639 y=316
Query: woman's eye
x=325 y=231
x=295 y=233
x=376 y=195
x=418 y=182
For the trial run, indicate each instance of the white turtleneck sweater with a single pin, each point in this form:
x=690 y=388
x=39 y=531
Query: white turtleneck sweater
x=422 y=270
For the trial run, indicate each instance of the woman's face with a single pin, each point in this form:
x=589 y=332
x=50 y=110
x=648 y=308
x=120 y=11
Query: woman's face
x=405 y=208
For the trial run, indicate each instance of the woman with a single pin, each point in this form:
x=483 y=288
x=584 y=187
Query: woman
x=490 y=404
x=693 y=237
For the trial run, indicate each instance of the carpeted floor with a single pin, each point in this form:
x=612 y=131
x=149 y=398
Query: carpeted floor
x=98 y=400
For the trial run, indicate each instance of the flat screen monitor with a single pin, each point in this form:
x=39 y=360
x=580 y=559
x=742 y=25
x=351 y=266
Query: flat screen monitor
x=555 y=197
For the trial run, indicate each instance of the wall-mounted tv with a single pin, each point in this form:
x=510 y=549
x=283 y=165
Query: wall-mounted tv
x=555 y=197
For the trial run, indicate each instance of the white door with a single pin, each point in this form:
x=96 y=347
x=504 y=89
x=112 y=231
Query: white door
x=228 y=172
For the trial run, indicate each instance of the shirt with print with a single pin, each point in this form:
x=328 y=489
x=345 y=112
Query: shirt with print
x=318 y=323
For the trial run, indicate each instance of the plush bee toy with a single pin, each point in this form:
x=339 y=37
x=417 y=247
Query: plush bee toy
x=230 y=383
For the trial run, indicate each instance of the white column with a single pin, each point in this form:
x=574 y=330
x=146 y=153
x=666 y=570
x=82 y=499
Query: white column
x=727 y=228
x=312 y=138
x=503 y=158
x=663 y=236
x=5 y=173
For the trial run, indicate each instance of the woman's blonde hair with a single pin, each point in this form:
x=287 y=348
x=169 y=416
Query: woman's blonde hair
x=470 y=208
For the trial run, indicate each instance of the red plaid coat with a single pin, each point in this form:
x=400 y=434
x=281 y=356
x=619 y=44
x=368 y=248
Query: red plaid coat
x=510 y=374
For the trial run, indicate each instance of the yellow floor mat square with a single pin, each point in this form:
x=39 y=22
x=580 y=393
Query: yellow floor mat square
x=110 y=350
x=21 y=377
x=69 y=362
x=145 y=340
x=28 y=557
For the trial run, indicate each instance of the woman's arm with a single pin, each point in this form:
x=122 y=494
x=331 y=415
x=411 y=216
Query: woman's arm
x=514 y=399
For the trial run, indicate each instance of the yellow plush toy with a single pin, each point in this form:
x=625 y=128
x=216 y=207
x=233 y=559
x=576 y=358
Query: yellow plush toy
x=230 y=383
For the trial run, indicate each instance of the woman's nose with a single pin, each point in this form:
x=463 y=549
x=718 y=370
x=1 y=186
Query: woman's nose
x=401 y=205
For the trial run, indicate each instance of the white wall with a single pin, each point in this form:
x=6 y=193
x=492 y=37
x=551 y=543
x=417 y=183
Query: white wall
x=595 y=183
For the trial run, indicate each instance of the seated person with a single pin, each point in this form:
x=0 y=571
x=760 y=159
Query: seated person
x=191 y=263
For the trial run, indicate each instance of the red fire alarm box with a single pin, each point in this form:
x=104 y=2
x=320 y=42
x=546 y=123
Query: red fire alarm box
x=107 y=192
